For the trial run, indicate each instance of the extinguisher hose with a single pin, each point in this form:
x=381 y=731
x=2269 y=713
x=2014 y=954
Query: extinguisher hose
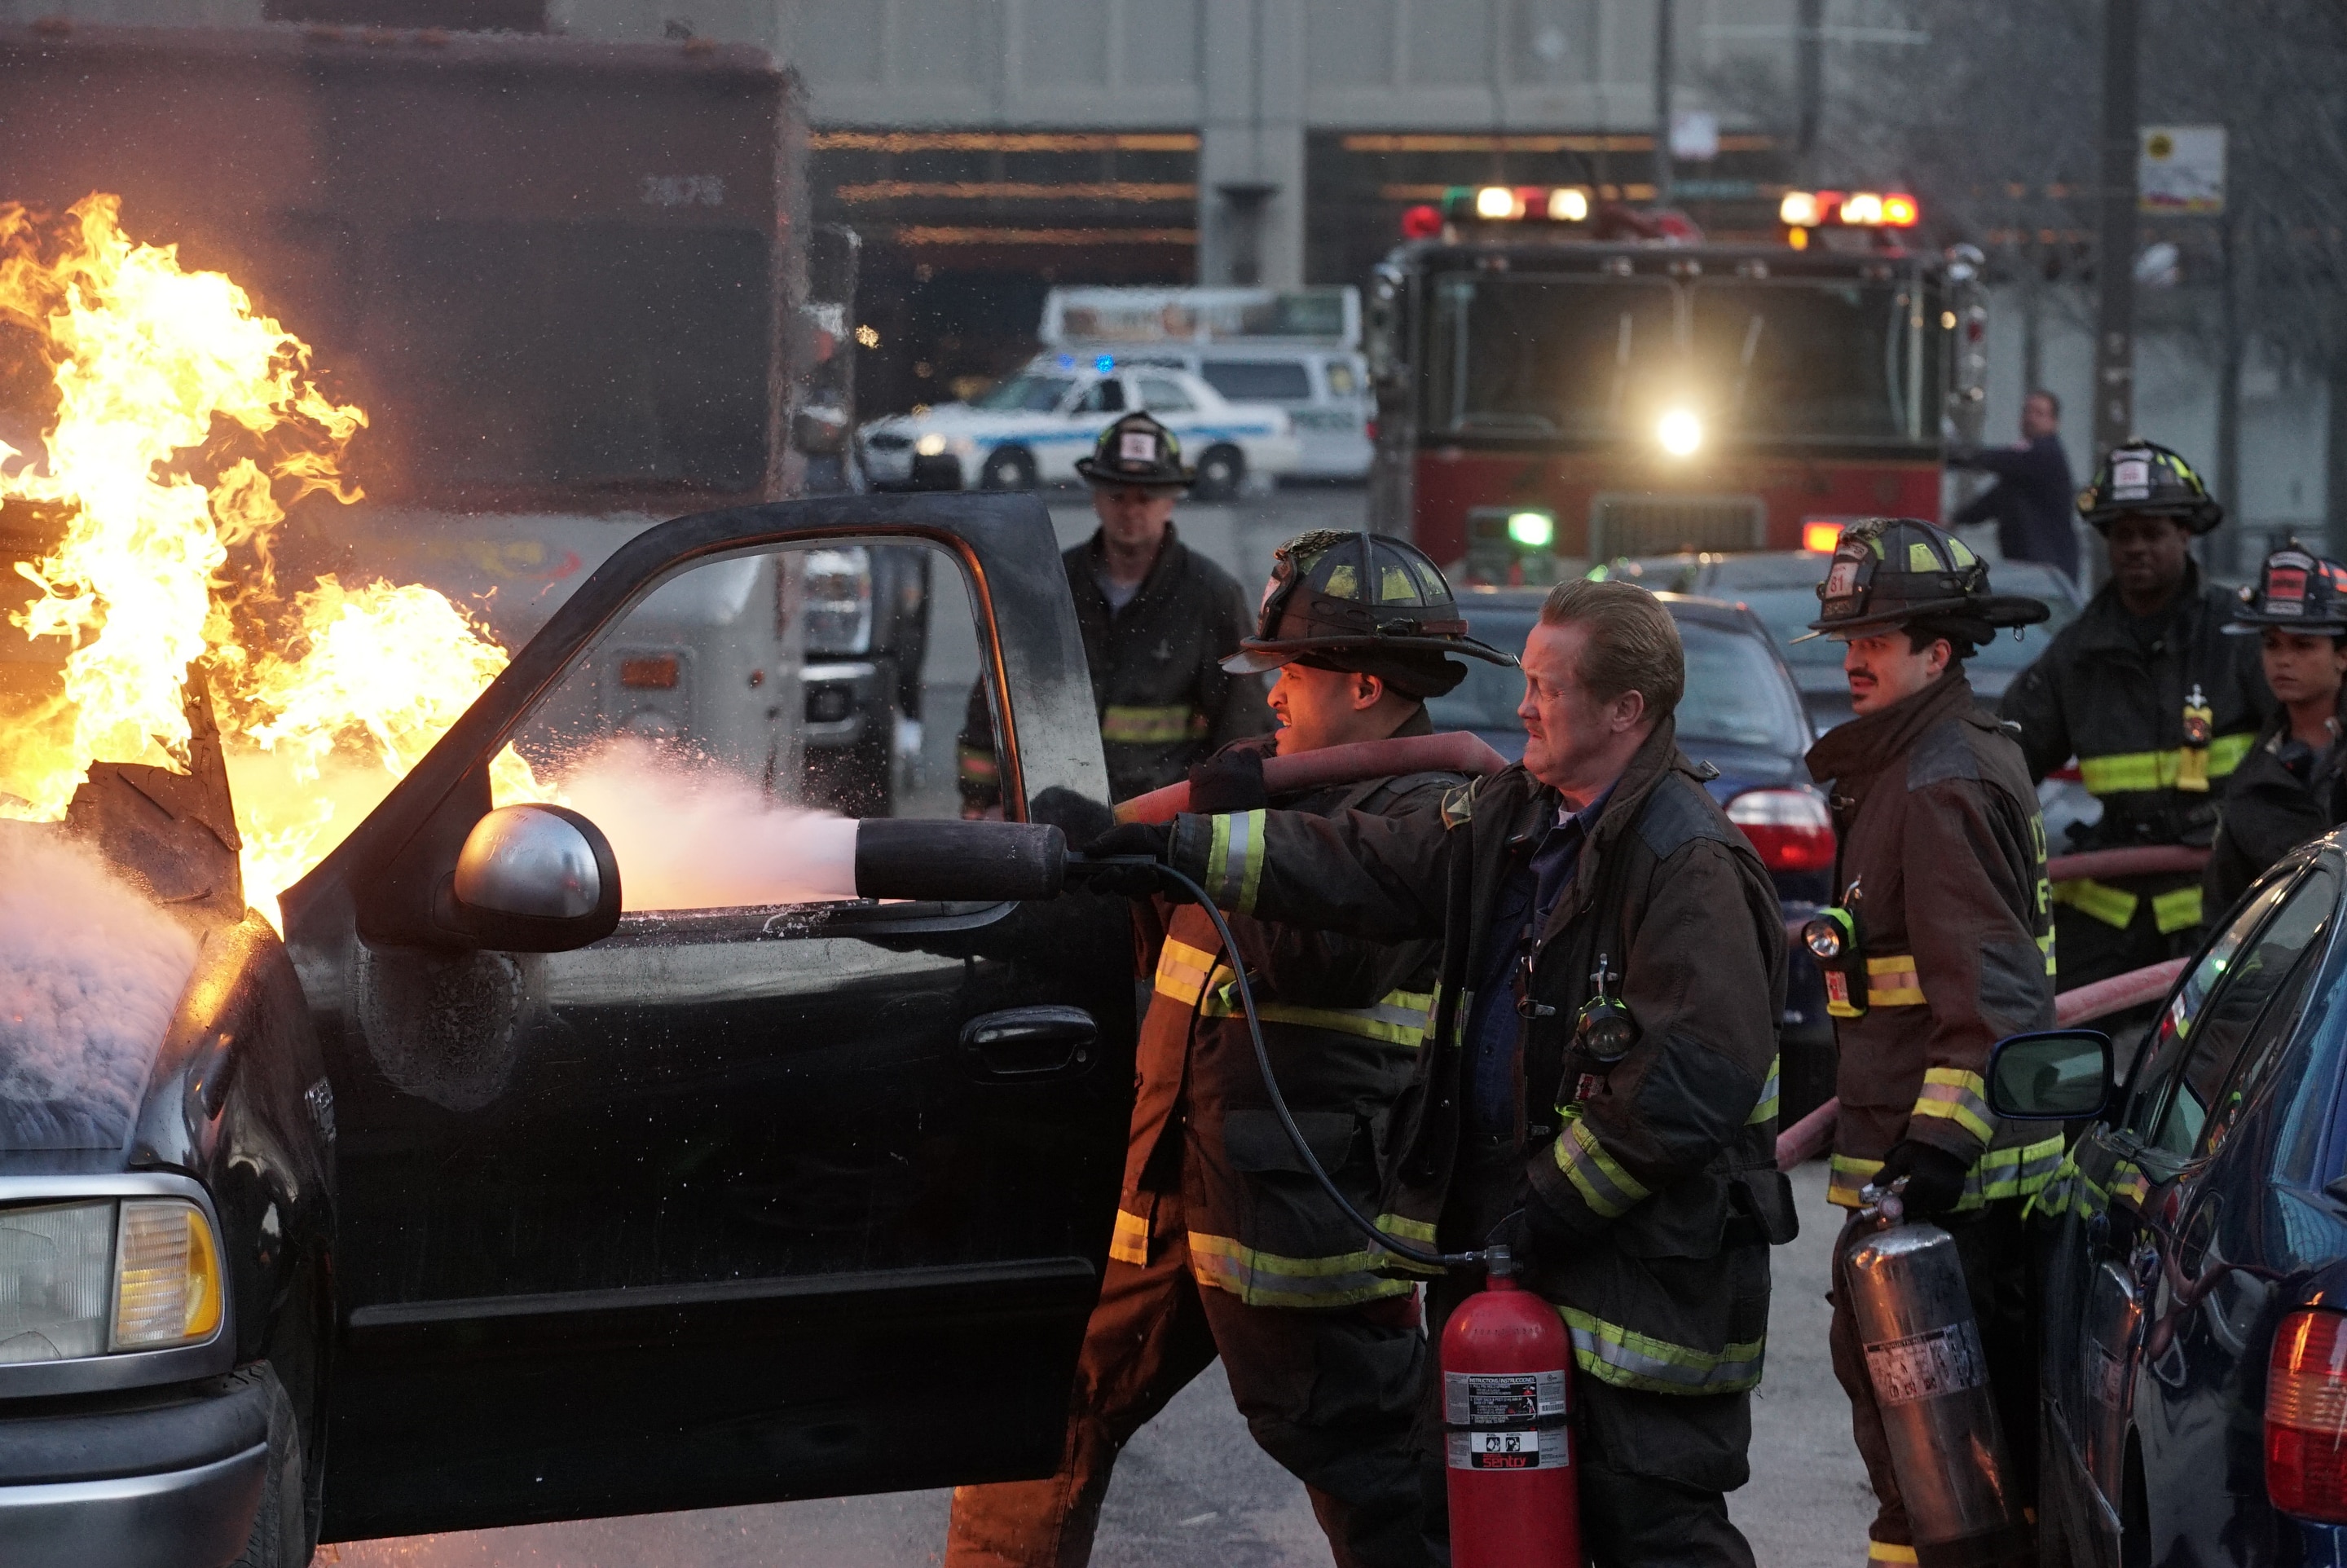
x=1360 y=1221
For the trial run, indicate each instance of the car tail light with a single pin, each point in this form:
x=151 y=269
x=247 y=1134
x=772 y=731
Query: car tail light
x=2306 y=1416
x=1790 y=829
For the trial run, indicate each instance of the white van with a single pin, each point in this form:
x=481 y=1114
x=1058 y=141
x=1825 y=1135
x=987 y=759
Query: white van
x=1297 y=349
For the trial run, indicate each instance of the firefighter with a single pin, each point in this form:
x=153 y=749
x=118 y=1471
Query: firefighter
x=1222 y=1241
x=2155 y=705
x=1598 y=1089
x=1941 y=945
x=2292 y=786
x=1156 y=617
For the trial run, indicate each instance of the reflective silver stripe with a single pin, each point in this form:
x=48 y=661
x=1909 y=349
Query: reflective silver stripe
x=1235 y=860
x=1602 y=1183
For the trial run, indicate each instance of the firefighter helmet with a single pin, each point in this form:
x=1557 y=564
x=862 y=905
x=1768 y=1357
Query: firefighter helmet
x=2147 y=479
x=1357 y=600
x=1888 y=572
x=1136 y=450
x=2297 y=590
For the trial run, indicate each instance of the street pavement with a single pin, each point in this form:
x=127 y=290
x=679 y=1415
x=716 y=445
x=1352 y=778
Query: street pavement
x=1192 y=1487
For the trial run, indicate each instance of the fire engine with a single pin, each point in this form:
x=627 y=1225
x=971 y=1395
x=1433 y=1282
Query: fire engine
x=1561 y=378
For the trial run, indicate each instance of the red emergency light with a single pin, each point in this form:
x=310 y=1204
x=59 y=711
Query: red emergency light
x=1517 y=203
x=1421 y=222
x=1803 y=209
x=1820 y=536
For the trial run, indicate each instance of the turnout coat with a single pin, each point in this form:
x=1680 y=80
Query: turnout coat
x=1665 y=1162
x=2269 y=809
x=1343 y=1019
x=1936 y=822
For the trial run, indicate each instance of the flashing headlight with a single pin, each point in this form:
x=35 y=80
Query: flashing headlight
x=930 y=445
x=1104 y=364
x=1568 y=204
x=1861 y=209
x=1532 y=529
x=86 y=1278
x=1496 y=201
x=1899 y=212
x=1820 y=538
x=1798 y=209
x=1679 y=432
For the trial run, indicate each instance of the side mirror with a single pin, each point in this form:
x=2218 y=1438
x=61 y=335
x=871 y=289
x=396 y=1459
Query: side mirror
x=532 y=879
x=2058 y=1076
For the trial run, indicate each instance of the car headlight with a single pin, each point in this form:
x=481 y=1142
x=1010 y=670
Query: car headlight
x=930 y=445
x=82 y=1279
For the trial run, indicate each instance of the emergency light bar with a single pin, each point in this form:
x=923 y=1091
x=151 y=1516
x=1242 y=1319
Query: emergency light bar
x=1847 y=210
x=1517 y=203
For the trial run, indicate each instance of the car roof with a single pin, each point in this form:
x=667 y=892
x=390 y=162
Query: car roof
x=1717 y=570
x=1683 y=606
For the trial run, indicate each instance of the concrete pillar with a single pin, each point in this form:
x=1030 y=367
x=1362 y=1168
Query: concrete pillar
x=1251 y=143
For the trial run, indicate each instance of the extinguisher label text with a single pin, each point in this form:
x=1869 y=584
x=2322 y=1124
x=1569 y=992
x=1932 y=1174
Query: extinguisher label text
x=1926 y=1366
x=1495 y=1399
x=1532 y=1448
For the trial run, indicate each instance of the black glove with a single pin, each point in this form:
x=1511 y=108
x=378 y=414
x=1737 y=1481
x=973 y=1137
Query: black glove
x=1230 y=780
x=1153 y=840
x=1935 y=1178
x=1081 y=817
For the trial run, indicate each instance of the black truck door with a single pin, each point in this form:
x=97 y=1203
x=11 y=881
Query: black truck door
x=757 y=1197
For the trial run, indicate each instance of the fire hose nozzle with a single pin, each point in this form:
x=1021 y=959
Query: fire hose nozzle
x=946 y=862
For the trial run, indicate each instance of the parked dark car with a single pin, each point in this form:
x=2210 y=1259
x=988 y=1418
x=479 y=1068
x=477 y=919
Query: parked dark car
x=2195 y=1395
x=489 y=1196
x=1740 y=714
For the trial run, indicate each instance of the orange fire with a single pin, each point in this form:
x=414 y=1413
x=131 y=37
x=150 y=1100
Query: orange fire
x=185 y=424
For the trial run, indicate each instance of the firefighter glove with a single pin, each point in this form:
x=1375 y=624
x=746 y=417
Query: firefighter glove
x=1153 y=840
x=1935 y=1178
x=1231 y=780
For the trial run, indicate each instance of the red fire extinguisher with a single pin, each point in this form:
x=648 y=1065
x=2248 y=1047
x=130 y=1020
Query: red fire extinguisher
x=1507 y=1377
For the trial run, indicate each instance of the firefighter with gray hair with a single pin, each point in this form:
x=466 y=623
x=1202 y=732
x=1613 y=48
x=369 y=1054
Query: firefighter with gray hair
x=1940 y=944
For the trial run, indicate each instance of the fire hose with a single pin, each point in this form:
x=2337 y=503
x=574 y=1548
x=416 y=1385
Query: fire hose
x=1806 y=1138
x=1453 y=751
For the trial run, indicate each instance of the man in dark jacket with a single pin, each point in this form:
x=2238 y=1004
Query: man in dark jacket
x=1222 y=1242
x=2154 y=703
x=1156 y=618
x=1596 y=877
x=2292 y=786
x=2030 y=502
x=1941 y=945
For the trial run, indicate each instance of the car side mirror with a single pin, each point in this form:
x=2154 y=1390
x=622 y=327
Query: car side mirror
x=2060 y=1075
x=532 y=879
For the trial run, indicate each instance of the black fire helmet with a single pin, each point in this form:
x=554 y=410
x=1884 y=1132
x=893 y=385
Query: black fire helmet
x=1891 y=571
x=2145 y=478
x=2297 y=590
x=1361 y=602
x=1136 y=450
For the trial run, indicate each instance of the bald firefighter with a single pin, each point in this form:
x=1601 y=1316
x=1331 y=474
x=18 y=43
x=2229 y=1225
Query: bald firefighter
x=1941 y=945
x=2158 y=706
x=1156 y=618
x=1224 y=1242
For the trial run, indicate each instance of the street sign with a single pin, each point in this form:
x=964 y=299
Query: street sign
x=2181 y=170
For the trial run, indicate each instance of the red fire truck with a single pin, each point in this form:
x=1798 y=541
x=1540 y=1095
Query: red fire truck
x=1563 y=377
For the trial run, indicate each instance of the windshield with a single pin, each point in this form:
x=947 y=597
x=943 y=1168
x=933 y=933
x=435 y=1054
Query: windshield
x=1025 y=394
x=1734 y=695
x=1588 y=358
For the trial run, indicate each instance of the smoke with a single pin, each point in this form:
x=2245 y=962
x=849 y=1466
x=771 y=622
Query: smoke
x=694 y=836
x=90 y=973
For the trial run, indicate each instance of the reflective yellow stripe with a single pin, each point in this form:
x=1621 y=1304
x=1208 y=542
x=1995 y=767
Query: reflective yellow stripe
x=1419 y=1232
x=1603 y=1184
x=1959 y=1097
x=1151 y=726
x=1629 y=1359
x=1400 y=1018
x=1267 y=1279
x=1128 y=1242
x=2045 y=946
x=1890 y=983
x=2188 y=768
x=1235 y=860
x=2097 y=900
x=1768 y=1104
x=1183 y=972
x=2176 y=910
x=1889 y=1552
x=2018 y=1171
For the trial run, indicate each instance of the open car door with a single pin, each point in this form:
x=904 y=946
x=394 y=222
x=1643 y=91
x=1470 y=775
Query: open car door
x=755 y=1197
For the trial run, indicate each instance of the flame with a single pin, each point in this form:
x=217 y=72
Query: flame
x=185 y=424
